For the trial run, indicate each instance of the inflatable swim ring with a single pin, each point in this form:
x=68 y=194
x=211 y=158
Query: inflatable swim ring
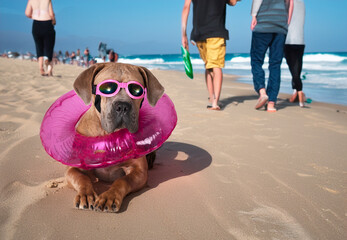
x=187 y=63
x=63 y=143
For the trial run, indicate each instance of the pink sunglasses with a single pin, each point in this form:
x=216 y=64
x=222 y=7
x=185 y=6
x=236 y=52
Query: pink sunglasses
x=110 y=88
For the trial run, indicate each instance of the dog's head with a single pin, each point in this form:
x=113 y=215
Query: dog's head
x=119 y=111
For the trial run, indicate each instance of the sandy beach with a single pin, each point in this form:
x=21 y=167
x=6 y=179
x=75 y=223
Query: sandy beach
x=232 y=174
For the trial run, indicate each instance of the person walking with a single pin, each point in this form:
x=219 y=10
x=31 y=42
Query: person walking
x=270 y=19
x=209 y=35
x=294 y=50
x=41 y=11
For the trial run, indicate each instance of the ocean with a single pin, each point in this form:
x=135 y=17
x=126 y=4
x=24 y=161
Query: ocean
x=324 y=74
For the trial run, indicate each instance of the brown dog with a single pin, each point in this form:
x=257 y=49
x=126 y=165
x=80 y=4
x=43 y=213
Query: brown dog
x=107 y=115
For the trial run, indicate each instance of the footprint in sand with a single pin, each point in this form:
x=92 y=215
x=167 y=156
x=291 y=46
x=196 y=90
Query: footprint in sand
x=272 y=223
x=7 y=130
x=17 y=196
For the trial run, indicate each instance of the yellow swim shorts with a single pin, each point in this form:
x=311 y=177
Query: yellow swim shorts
x=212 y=52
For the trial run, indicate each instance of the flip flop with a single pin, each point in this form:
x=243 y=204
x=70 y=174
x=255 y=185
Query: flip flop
x=271 y=110
x=187 y=62
x=261 y=102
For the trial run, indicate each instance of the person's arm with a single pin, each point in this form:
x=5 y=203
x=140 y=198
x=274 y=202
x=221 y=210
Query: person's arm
x=290 y=10
x=51 y=13
x=255 y=8
x=185 y=13
x=232 y=2
x=29 y=10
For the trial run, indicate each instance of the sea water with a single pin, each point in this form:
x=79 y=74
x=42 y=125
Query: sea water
x=324 y=75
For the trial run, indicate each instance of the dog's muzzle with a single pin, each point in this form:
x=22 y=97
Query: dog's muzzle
x=121 y=116
x=122 y=109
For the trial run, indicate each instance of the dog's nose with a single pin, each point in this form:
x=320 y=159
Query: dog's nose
x=122 y=107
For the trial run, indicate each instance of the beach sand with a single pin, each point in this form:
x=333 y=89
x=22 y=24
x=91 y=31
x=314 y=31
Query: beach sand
x=233 y=174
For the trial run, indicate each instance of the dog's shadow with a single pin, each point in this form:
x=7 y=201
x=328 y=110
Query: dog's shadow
x=173 y=160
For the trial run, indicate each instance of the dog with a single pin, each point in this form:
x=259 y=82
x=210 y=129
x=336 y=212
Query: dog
x=107 y=115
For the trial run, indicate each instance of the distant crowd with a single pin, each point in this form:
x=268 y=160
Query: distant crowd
x=73 y=58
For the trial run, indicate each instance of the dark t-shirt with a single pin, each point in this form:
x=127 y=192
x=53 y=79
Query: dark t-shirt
x=209 y=20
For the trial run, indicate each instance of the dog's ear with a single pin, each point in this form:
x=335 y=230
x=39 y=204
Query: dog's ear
x=154 y=89
x=83 y=83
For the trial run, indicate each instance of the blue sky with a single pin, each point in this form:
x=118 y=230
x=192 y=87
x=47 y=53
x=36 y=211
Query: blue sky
x=134 y=27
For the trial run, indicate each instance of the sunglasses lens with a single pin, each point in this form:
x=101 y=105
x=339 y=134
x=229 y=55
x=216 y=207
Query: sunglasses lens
x=108 y=87
x=135 y=90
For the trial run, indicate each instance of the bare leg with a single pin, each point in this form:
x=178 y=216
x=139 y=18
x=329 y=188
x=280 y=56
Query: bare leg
x=262 y=92
x=50 y=68
x=42 y=71
x=209 y=84
x=294 y=96
x=217 y=85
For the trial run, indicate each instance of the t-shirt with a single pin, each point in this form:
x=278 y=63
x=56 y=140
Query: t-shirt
x=209 y=20
x=296 y=27
x=272 y=16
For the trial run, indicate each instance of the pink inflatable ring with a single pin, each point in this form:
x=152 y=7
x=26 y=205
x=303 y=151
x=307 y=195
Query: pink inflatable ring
x=62 y=142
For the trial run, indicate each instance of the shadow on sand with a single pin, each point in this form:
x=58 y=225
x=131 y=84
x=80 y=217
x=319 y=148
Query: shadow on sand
x=236 y=100
x=173 y=160
x=282 y=103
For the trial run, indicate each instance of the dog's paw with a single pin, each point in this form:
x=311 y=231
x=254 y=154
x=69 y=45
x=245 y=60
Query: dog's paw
x=108 y=202
x=85 y=200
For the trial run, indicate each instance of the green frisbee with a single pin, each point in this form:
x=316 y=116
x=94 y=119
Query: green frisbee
x=187 y=63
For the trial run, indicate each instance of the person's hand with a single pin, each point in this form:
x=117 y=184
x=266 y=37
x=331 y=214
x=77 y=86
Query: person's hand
x=185 y=42
x=254 y=22
x=54 y=21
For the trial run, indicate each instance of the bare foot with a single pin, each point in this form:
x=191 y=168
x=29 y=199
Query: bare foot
x=301 y=99
x=42 y=72
x=271 y=107
x=293 y=97
x=261 y=101
x=50 y=70
x=217 y=108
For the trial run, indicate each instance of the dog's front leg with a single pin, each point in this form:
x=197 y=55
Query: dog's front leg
x=134 y=180
x=82 y=183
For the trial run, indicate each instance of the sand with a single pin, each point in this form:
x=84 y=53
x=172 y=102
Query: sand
x=233 y=174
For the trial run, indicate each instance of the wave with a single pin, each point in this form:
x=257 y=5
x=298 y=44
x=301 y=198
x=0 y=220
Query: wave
x=318 y=57
x=137 y=61
x=323 y=57
x=197 y=61
x=309 y=58
x=240 y=60
x=324 y=67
